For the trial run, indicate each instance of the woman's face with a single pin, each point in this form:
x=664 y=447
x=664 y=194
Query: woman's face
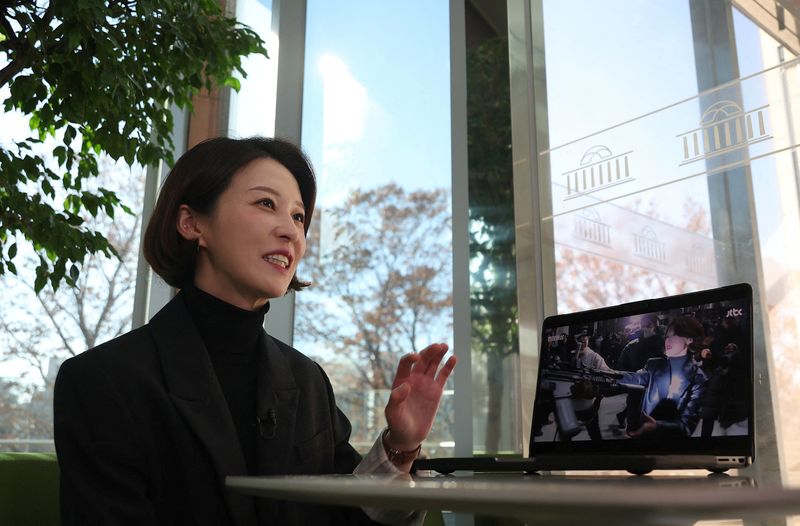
x=252 y=241
x=675 y=345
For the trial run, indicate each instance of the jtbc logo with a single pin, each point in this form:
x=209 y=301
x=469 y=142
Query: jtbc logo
x=732 y=313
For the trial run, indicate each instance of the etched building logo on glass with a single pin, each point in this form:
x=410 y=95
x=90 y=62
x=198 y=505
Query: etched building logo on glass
x=647 y=245
x=700 y=260
x=724 y=127
x=598 y=169
x=589 y=227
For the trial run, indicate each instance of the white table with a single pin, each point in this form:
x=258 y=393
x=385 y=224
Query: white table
x=591 y=501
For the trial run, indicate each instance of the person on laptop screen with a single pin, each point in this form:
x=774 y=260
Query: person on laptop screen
x=674 y=384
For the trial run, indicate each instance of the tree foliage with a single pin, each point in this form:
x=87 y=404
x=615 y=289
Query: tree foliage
x=41 y=330
x=97 y=78
x=384 y=257
x=492 y=250
x=493 y=284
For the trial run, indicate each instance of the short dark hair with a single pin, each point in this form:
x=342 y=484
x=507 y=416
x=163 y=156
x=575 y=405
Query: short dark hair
x=648 y=319
x=199 y=177
x=688 y=327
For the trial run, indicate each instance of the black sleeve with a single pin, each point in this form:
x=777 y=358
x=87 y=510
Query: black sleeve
x=346 y=458
x=102 y=470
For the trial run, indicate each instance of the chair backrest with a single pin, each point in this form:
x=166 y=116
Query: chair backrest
x=29 y=489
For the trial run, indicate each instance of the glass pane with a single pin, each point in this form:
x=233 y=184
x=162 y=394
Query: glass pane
x=659 y=184
x=376 y=124
x=38 y=332
x=775 y=180
x=493 y=283
x=252 y=108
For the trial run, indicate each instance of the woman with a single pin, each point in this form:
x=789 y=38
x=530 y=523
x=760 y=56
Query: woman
x=674 y=384
x=148 y=425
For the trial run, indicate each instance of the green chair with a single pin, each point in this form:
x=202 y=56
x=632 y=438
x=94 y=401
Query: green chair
x=433 y=518
x=28 y=489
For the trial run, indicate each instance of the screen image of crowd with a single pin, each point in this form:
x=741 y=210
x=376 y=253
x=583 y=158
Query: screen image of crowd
x=677 y=373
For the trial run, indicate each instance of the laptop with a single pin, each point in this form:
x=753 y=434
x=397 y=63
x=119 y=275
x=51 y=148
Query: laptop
x=664 y=383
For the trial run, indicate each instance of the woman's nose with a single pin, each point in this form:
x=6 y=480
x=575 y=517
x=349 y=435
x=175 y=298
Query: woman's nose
x=287 y=228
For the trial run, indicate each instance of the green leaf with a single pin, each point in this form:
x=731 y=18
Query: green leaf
x=47 y=188
x=60 y=153
x=109 y=78
x=55 y=279
x=73 y=40
x=12 y=251
x=233 y=83
x=41 y=281
x=69 y=135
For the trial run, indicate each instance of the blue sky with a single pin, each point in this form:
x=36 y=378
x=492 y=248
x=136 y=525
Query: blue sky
x=611 y=62
x=385 y=69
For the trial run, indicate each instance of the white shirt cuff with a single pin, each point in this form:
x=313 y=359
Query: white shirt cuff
x=377 y=463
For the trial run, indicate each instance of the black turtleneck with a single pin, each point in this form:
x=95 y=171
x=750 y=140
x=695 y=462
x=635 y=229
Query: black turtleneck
x=232 y=337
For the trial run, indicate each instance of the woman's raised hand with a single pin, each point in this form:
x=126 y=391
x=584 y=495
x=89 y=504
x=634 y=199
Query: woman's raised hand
x=416 y=392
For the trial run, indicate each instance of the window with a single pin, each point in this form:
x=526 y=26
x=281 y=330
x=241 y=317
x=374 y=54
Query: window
x=376 y=124
x=38 y=332
x=665 y=168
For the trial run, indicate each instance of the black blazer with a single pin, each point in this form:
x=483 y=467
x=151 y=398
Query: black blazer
x=144 y=435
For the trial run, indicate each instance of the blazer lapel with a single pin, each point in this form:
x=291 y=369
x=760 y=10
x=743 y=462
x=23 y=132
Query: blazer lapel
x=277 y=409
x=198 y=397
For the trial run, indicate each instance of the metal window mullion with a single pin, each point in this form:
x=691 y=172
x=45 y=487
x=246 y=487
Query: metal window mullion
x=529 y=134
x=151 y=292
x=289 y=23
x=463 y=401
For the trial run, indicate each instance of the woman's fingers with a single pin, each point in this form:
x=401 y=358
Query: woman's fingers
x=426 y=363
x=399 y=393
x=431 y=358
x=444 y=372
x=404 y=368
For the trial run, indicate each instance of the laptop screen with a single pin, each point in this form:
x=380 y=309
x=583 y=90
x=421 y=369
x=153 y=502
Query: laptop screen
x=669 y=376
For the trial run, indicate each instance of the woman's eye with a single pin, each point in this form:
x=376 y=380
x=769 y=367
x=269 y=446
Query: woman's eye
x=300 y=218
x=269 y=203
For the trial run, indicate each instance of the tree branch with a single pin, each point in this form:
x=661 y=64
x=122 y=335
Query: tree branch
x=8 y=72
x=51 y=315
x=12 y=36
x=361 y=370
x=113 y=280
x=20 y=62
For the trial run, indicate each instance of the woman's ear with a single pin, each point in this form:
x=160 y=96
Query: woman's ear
x=188 y=225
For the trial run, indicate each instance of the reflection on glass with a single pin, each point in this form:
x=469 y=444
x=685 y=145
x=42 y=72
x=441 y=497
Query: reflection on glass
x=376 y=126
x=688 y=193
x=776 y=180
x=493 y=302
